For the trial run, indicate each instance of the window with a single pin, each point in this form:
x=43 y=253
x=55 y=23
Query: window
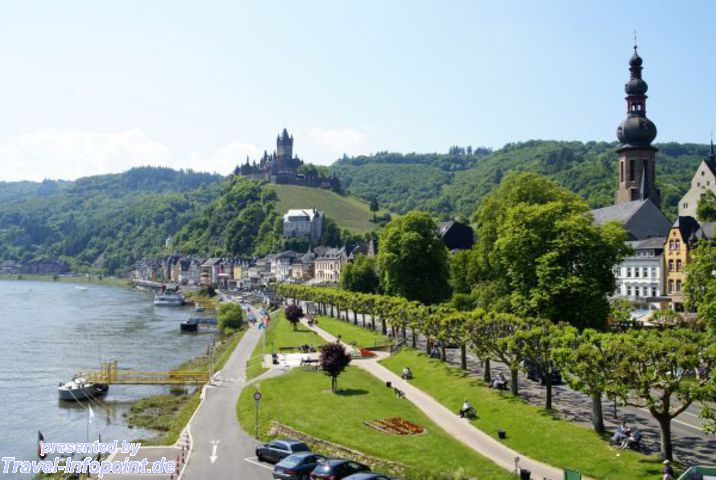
x=653 y=272
x=645 y=272
x=632 y=170
x=654 y=292
x=621 y=171
x=685 y=205
x=671 y=265
x=678 y=286
x=628 y=291
x=678 y=244
x=628 y=272
x=645 y=292
x=671 y=244
x=671 y=287
x=636 y=272
x=678 y=265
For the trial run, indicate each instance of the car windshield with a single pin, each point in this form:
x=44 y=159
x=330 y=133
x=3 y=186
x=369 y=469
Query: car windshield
x=291 y=461
x=323 y=468
x=300 y=447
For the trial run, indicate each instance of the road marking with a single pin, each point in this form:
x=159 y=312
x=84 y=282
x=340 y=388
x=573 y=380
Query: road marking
x=254 y=461
x=213 y=456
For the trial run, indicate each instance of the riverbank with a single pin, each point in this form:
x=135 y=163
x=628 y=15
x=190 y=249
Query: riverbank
x=168 y=414
x=80 y=279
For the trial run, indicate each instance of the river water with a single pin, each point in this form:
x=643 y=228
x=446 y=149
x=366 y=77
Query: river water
x=48 y=331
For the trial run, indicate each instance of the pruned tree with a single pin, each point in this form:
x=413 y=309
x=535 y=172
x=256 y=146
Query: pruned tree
x=333 y=360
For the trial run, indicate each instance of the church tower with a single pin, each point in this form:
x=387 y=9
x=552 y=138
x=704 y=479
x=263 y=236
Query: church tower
x=637 y=169
x=284 y=149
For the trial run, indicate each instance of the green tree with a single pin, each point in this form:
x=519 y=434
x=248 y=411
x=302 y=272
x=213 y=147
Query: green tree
x=412 y=260
x=700 y=287
x=706 y=208
x=230 y=317
x=360 y=275
x=293 y=314
x=664 y=371
x=331 y=233
x=541 y=343
x=333 y=360
x=374 y=207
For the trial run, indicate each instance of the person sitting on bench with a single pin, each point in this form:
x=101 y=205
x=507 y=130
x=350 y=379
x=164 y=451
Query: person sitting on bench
x=407 y=374
x=399 y=393
x=466 y=409
x=500 y=383
x=621 y=434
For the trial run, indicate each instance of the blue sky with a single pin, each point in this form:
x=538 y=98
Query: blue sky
x=95 y=87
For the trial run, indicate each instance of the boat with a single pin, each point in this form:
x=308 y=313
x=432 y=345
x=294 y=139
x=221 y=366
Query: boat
x=80 y=389
x=189 y=326
x=169 y=299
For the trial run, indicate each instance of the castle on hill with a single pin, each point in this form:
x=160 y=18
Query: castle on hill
x=283 y=167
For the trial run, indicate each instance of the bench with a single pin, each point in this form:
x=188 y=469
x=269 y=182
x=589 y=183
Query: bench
x=308 y=361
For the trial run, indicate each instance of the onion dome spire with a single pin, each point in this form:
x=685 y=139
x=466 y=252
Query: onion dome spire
x=636 y=130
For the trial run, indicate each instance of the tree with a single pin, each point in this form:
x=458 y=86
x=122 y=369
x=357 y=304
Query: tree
x=330 y=233
x=700 y=287
x=360 y=275
x=374 y=207
x=706 y=208
x=541 y=342
x=293 y=314
x=664 y=371
x=620 y=318
x=412 y=260
x=333 y=360
x=587 y=361
x=229 y=317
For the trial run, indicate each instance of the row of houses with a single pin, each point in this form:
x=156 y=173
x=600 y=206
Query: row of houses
x=50 y=266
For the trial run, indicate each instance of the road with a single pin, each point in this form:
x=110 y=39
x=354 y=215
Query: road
x=221 y=449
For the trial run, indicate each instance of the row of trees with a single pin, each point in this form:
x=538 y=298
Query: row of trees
x=664 y=371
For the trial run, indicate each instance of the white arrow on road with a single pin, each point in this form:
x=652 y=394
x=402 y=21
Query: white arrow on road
x=213 y=456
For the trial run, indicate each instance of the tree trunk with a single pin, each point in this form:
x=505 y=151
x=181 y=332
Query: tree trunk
x=405 y=334
x=597 y=417
x=415 y=338
x=463 y=357
x=665 y=427
x=514 y=381
x=486 y=376
x=355 y=317
x=384 y=327
x=443 y=355
x=334 y=384
x=364 y=324
x=372 y=322
x=332 y=312
x=548 y=390
x=427 y=346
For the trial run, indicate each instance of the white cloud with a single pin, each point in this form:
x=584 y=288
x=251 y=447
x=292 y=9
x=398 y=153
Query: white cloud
x=226 y=158
x=329 y=144
x=69 y=154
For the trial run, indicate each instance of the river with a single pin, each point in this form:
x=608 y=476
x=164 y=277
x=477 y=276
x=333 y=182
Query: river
x=51 y=330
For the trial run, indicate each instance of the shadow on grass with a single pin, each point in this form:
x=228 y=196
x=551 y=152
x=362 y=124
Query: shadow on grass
x=350 y=392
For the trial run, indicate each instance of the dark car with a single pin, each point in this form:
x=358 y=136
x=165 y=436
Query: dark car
x=337 y=469
x=277 y=450
x=536 y=372
x=367 y=476
x=297 y=466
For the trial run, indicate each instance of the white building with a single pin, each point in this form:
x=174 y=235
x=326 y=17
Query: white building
x=704 y=180
x=641 y=275
x=303 y=224
x=329 y=263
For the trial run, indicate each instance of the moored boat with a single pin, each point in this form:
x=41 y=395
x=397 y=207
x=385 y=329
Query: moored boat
x=169 y=299
x=80 y=389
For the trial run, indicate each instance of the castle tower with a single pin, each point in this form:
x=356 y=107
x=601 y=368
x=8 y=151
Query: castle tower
x=637 y=169
x=284 y=149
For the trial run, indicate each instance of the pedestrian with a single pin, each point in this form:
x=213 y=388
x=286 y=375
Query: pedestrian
x=668 y=471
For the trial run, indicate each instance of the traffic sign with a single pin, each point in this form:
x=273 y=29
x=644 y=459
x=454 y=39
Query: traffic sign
x=257 y=396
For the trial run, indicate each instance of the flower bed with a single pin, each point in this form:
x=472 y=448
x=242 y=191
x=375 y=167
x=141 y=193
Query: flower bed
x=395 y=426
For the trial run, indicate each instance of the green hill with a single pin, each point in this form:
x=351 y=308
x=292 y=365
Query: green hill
x=454 y=183
x=349 y=212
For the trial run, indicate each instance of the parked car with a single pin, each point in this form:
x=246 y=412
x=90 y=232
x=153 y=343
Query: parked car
x=535 y=372
x=367 y=476
x=297 y=466
x=337 y=469
x=277 y=450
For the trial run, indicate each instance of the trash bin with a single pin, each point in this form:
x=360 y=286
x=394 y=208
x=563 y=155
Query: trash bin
x=525 y=474
x=388 y=384
x=501 y=434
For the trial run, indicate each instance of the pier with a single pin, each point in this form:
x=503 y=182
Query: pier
x=110 y=374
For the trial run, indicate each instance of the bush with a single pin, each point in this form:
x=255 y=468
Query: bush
x=230 y=317
x=293 y=314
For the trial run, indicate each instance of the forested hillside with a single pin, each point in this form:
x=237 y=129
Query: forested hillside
x=453 y=184
x=105 y=222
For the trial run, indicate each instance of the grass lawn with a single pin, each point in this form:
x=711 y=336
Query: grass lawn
x=530 y=430
x=350 y=333
x=279 y=334
x=302 y=400
x=349 y=212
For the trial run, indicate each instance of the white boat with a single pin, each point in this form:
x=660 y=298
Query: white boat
x=80 y=389
x=169 y=299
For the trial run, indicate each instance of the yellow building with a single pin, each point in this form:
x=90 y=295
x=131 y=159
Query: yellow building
x=682 y=237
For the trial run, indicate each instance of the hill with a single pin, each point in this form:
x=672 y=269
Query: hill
x=453 y=184
x=348 y=211
x=104 y=222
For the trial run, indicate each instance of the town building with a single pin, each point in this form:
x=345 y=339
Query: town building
x=50 y=266
x=684 y=235
x=329 y=263
x=641 y=219
x=307 y=223
x=456 y=235
x=640 y=277
x=704 y=180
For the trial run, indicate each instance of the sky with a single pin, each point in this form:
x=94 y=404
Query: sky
x=91 y=87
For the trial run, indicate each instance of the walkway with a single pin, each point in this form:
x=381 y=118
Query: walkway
x=458 y=428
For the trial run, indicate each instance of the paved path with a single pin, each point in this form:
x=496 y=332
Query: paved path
x=692 y=446
x=220 y=447
x=457 y=427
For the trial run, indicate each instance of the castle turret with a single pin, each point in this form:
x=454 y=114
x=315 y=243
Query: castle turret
x=284 y=149
x=637 y=169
